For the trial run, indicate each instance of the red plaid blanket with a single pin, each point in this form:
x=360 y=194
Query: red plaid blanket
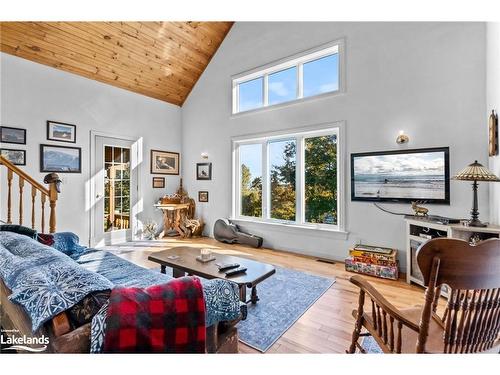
x=167 y=318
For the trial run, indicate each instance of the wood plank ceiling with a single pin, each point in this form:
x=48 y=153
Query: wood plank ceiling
x=162 y=60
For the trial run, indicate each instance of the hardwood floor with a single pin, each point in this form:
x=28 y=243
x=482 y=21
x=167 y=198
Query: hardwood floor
x=327 y=326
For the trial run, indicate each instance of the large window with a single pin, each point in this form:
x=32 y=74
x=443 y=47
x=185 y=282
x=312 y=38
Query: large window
x=289 y=178
x=306 y=75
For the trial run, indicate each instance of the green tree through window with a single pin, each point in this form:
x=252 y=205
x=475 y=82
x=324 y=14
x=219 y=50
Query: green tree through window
x=320 y=179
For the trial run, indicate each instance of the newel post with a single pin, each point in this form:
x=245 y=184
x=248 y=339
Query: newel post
x=54 y=189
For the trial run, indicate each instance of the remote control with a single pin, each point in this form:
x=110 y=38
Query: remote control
x=226 y=266
x=236 y=271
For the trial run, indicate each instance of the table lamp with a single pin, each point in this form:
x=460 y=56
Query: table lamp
x=475 y=172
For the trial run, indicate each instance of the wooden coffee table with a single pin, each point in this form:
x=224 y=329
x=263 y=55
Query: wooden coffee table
x=187 y=263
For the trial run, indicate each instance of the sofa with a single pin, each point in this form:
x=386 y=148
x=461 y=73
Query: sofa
x=25 y=262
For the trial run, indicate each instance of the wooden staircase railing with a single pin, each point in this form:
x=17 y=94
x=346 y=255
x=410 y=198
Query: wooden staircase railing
x=49 y=194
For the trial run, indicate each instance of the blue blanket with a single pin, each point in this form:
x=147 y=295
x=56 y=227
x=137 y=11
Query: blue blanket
x=42 y=279
x=46 y=281
x=221 y=296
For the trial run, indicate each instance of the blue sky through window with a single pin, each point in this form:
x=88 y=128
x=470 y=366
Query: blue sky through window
x=251 y=94
x=283 y=86
x=321 y=75
x=251 y=156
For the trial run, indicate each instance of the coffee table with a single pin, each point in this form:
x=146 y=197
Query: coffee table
x=186 y=263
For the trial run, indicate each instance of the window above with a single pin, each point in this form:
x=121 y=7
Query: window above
x=306 y=75
x=290 y=178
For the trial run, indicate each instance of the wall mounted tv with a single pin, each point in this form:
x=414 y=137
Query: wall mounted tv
x=401 y=176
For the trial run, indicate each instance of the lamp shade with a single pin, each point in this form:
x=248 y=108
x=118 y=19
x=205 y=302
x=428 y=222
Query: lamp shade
x=475 y=172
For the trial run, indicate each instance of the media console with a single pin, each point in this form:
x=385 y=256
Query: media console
x=420 y=230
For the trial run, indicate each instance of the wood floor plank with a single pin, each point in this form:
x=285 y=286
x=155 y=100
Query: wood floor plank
x=327 y=325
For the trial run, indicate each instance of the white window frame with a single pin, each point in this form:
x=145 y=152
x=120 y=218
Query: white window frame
x=300 y=134
x=297 y=61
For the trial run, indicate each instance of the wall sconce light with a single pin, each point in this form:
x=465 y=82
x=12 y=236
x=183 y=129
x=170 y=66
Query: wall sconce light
x=204 y=155
x=402 y=138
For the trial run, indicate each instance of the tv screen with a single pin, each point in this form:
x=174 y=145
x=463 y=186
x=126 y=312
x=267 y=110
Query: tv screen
x=401 y=176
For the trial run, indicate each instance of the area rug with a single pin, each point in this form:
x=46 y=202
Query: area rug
x=370 y=345
x=284 y=297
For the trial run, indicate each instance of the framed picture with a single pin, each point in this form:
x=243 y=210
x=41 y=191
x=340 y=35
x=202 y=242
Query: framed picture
x=16 y=157
x=61 y=132
x=12 y=135
x=158 y=182
x=164 y=162
x=62 y=159
x=493 y=134
x=203 y=196
x=204 y=171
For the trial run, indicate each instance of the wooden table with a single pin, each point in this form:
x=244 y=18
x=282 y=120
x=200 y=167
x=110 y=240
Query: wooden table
x=187 y=263
x=173 y=216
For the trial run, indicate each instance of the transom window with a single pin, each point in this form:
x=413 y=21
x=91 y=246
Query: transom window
x=306 y=75
x=289 y=178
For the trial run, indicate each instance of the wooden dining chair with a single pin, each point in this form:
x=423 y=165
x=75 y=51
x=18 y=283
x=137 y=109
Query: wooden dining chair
x=470 y=322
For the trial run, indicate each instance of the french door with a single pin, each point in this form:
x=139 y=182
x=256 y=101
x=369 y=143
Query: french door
x=115 y=190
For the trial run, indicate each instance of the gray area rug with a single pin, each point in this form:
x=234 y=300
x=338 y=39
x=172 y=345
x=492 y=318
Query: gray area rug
x=284 y=297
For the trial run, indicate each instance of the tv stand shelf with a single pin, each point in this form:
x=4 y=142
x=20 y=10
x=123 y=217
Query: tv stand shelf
x=417 y=229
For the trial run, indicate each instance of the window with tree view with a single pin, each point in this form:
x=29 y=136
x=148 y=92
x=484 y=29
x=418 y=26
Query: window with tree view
x=251 y=180
x=297 y=181
x=282 y=179
x=320 y=167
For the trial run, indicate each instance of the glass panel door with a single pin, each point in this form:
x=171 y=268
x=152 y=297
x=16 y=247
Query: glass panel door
x=116 y=188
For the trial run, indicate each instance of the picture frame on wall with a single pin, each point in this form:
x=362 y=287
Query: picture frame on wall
x=203 y=196
x=16 y=157
x=204 y=171
x=493 y=134
x=158 y=182
x=61 y=159
x=61 y=132
x=164 y=162
x=12 y=135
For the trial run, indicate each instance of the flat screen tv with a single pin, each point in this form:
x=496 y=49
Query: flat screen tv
x=401 y=176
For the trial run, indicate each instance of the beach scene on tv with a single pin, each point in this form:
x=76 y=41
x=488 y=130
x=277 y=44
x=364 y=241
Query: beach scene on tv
x=416 y=176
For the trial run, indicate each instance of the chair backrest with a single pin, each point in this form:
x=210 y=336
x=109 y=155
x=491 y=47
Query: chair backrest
x=471 y=320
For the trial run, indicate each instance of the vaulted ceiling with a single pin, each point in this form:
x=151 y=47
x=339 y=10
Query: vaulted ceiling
x=162 y=60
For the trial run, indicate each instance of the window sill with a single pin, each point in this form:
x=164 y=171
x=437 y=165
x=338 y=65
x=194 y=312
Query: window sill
x=285 y=227
x=289 y=103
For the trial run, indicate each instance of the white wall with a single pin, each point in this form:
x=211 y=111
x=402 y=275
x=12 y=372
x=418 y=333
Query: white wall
x=425 y=78
x=32 y=93
x=493 y=102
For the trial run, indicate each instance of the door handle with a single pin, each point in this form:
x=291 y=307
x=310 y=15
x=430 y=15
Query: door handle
x=98 y=196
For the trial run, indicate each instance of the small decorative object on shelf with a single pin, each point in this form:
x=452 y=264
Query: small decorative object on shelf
x=150 y=230
x=475 y=172
x=419 y=210
x=374 y=261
